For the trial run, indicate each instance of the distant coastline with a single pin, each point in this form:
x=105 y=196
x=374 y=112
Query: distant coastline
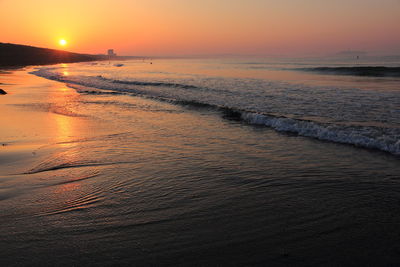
x=14 y=56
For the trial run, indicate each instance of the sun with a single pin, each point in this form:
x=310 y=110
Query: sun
x=62 y=42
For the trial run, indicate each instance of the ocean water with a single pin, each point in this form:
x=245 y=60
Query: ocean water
x=204 y=162
x=347 y=109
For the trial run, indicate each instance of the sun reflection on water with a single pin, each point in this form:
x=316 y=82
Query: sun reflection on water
x=64 y=129
x=65 y=120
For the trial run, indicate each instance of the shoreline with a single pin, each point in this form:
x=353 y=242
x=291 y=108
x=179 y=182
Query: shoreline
x=34 y=116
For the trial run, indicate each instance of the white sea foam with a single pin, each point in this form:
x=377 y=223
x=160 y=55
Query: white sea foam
x=368 y=137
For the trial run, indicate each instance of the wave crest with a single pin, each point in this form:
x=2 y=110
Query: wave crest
x=369 y=71
x=367 y=137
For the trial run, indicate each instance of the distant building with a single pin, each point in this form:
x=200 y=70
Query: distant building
x=110 y=52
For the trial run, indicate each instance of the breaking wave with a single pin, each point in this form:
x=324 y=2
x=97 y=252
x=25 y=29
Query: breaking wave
x=369 y=71
x=366 y=136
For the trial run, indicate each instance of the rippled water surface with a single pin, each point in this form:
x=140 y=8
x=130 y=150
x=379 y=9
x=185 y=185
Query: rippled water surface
x=198 y=162
x=336 y=108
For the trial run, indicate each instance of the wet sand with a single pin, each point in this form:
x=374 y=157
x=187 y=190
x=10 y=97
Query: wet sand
x=26 y=124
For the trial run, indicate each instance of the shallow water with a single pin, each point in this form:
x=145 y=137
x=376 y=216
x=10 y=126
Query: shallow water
x=119 y=179
x=341 y=109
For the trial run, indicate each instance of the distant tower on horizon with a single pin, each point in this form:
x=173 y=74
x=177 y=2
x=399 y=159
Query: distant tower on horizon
x=110 y=52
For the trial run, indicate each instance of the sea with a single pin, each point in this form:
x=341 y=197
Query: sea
x=203 y=162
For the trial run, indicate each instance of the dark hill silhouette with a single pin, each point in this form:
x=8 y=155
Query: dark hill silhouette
x=13 y=55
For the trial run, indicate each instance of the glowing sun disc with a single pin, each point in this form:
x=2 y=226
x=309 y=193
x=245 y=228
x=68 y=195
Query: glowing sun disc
x=62 y=42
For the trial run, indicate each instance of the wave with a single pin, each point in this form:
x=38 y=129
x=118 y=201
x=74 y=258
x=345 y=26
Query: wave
x=163 y=84
x=48 y=74
x=368 y=71
x=373 y=137
x=362 y=136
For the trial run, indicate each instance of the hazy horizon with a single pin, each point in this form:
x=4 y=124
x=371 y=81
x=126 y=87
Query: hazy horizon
x=176 y=28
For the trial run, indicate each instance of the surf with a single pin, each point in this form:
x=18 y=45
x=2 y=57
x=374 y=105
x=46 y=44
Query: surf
x=236 y=105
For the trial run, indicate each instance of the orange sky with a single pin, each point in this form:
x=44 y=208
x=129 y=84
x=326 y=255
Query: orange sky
x=181 y=27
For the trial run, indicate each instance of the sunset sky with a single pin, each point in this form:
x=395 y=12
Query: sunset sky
x=181 y=27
